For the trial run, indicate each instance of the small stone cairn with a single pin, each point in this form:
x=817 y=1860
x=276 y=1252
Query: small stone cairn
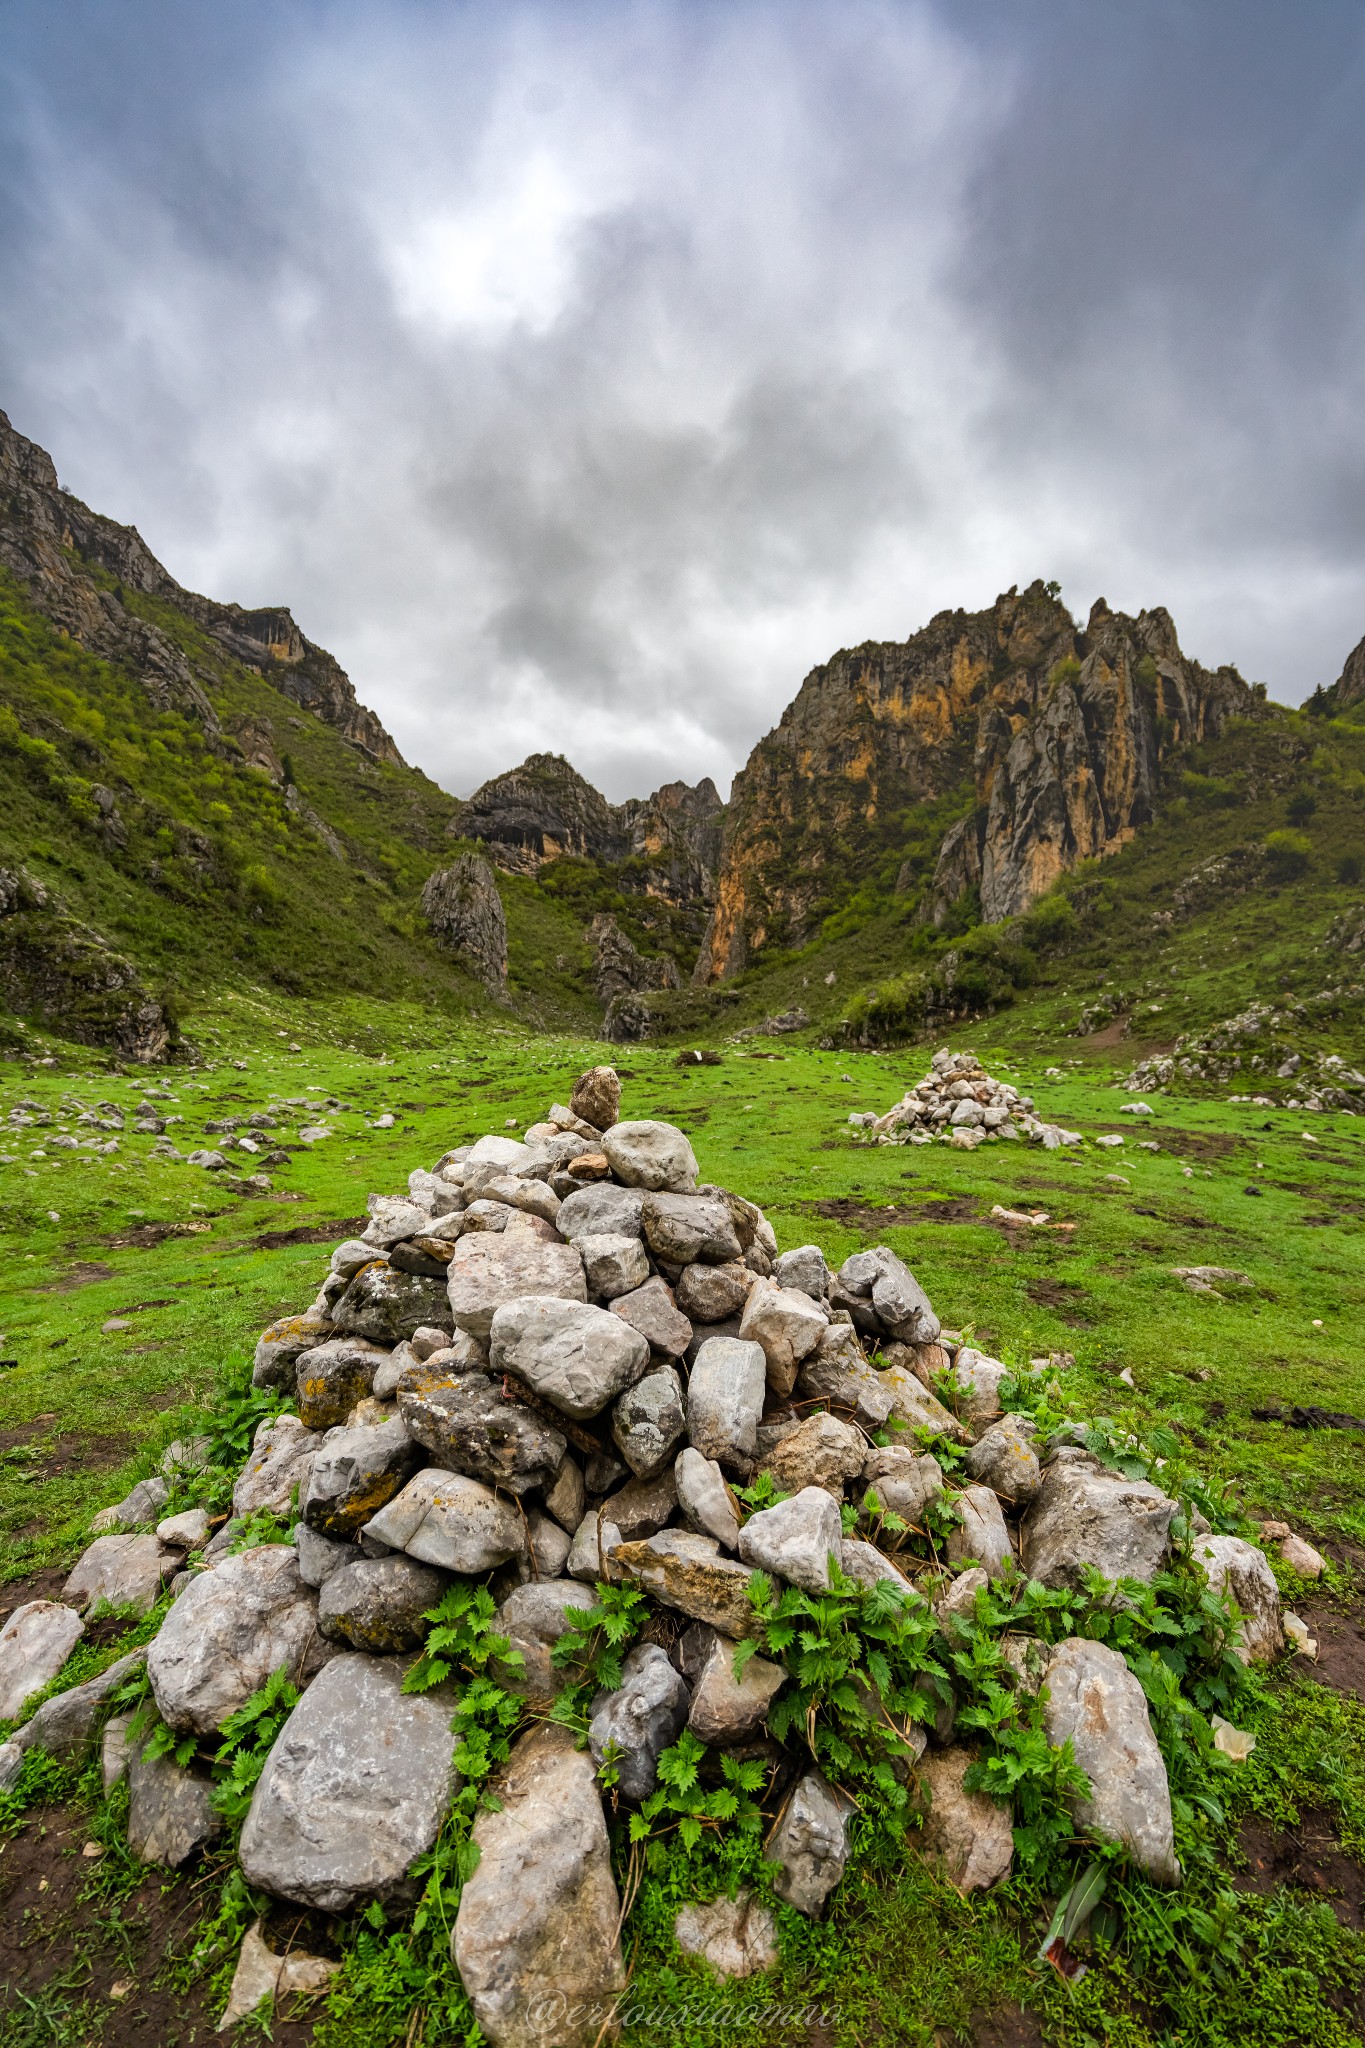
x=958 y=1103
x=544 y=1366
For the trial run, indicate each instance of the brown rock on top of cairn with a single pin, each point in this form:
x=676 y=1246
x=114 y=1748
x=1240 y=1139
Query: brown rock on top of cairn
x=597 y=1097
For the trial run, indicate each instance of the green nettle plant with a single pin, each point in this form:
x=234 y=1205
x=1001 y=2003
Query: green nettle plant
x=592 y=1648
x=248 y=1737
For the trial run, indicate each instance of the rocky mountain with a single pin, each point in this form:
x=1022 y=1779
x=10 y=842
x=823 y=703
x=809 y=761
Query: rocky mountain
x=1349 y=687
x=545 y=809
x=1048 y=736
x=79 y=568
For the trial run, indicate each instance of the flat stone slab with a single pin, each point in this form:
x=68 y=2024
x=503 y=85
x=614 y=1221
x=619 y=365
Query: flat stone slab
x=445 y=1519
x=34 y=1644
x=121 y=1572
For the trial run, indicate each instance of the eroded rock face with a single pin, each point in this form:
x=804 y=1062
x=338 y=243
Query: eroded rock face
x=603 y=1210
x=681 y=1228
x=1240 y=1570
x=811 y=1842
x=652 y=1311
x=1095 y=1702
x=1086 y=1516
x=353 y=1791
x=462 y=905
x=535 y=1939
x=967 y=1836
x=227 y=1632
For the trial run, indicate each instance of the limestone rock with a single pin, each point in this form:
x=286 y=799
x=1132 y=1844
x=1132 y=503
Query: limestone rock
x=227 y=1632
x=187 y=1531
x=332 y=1377
x=386 y=1305
x=642 y=1506
x=597 y=1097
x=1239 y=1570
x=589 y=1553
x=977 y=1381
x=465 y=1419
x=687 y=1571
x=462 y=905
x=725 y=1401
x=65 y=1724
x=169 y=1815
x=639 y=1721
x=981 y=1535
x=705 y=1499
x=711 y=1294
x=893 y=1298
x=811 y=1842
x=121 y=1572
x=603 y=1210
x=1095 y=1701
x=139 y=1508
x=319 y=1556
x=837 y=1371
x=795 y=1540
x=736 y=1937
x=354 y=1790
x=533 y=1618
x=821 y=1451
x=967 y=1836
x=34 y=1644
x=446 y=1519
x=804 y=1268
x=787 y=1325
x=1085 y=1516
x=652 y=1311
x=535 y=1938
x=900 y=1482
x=727 y=1709
x=281 y=1460
x=648 y=1422
x=912 y=1403
x=1004 y=1459
x=613 y=1263
x=353 y=1473
x=866 y=1566
x=487 y=1272
x=960 y=1597
x=279 y=1346
x=1302 y=1558
x=576 y=1357
x=681 y=1228
x=650 y=1155
x=566 y=1496
x=379 y=1604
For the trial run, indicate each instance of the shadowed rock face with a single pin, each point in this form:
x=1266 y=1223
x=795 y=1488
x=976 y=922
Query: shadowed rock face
x=1055 y=733
x=544 y=809
x=462 y=905
x=1349 y=687
x=50 y=541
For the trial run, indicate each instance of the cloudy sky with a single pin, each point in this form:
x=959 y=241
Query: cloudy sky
x=582 y=374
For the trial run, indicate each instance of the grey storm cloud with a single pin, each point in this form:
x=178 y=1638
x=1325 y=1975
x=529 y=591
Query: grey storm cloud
x=583 y=374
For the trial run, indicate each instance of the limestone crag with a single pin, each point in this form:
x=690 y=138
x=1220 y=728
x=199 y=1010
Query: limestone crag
x=1050 y=736
x=545 y=809
x=462 y=905
x=52 y=543
x=619 y=968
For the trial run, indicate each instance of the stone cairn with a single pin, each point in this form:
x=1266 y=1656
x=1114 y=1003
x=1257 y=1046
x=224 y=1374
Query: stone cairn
x=545 y=1367
x=960 y=1104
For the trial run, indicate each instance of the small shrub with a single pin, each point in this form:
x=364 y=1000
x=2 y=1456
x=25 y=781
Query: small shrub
x=1301 y=807
x=1288 y=855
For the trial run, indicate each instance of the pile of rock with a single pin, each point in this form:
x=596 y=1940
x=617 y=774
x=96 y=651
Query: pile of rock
x=545 y=1366
x=960 y=1104
x=1260 y=1041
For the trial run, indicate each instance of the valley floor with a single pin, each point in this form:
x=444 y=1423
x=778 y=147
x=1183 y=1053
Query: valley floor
x=132 y=1284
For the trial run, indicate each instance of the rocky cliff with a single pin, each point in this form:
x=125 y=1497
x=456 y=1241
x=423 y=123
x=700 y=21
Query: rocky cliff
x=1052 y=734
x=66 y=556
x=545 y=809
x=1349 y=687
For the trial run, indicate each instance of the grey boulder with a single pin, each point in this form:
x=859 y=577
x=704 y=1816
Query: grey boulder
x=121 y=1572
x=613 y=1263
x=169 y=1815
x=1085 y=1516
x=804 y=1268
x=464 y=1418
x=735 y=1937
x=353 y=1473
x=821 y=1451
x=1241 y=1572
x=279 y=1346
x=1096 y=1703
x=681 y=1228
x=712 y=1294
x=704 y=1498
x=332 y=1377
x=1004 y=1459
x=726 y=1707
x=536 y=1939
x=576 y=1357
x=354 y=1790
x=488 y=1271
x=35 y=1642
x=599 y=1211
x=795 y=1540
x=319 y=1556
x=227 y=1632
x=446 y=1519
x=533 y=1618
x=654 y=1312
x=980 y=1536
x=387 y=1305
x=725 y=1398
x=653 y=1156
x=811 y=1843
x=379 y=1604
x=687 y=1571
x=633 y=1726
x=648 y=1421
x=967 y=1836
x=281 y=1460
x=787 y=1325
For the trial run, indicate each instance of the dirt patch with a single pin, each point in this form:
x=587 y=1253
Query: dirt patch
x=1112 y=1034
x=70 y=1953
x=1200 y=1144
x=1308 y=1856
x=1341 y=1644
x=1009 y=2027
x=43 y=1585
x=83 y=1274
x=1066 y=1298
x=147 y=1236
x=310 y=1233
x=870 y=1216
